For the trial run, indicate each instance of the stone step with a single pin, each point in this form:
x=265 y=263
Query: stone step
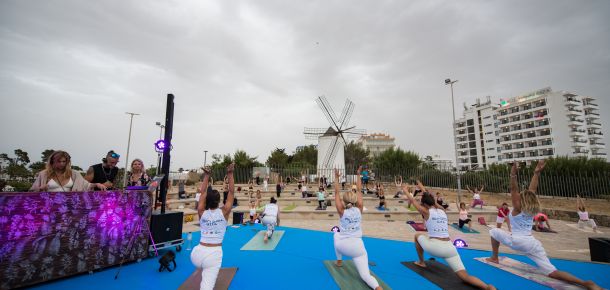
x=371 y=213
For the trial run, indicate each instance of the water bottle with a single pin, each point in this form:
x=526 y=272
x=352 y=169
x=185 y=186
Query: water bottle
x=189 y=240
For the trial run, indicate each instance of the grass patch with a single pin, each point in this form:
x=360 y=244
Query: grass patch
x=412 y=208
x=290 y=207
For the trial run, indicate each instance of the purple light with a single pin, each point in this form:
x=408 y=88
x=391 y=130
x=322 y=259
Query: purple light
x=160 y=146
x=335 y=229
x=459 y=243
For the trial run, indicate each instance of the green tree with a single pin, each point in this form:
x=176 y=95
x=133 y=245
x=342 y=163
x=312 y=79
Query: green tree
x=278 y=158
x=18 y=171
x=37 y=166
x=307 y=155
x=46 y=154
x=397 y=159
x=356 y=155
x=22 y=157
x=242 y=159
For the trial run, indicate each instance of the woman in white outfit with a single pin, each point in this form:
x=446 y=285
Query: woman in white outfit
x=271 y=218
x=525 y=206
x=348 y=241
x=213 y=222
x=583 y=215
x=437 y=243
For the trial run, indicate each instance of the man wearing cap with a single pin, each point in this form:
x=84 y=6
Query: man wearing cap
x=104 y=173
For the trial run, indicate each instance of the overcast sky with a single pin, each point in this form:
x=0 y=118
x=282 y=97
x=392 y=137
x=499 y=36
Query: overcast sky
x=245 y=74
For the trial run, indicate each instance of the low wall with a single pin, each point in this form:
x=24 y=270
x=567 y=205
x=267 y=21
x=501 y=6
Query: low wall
x=49 y=235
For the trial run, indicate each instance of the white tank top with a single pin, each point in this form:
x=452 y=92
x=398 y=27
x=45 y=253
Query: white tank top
x=583 y=215
x=213 y=226
x=349 y=223
x=437 y=224
x=521 y=224
x=53 y=186
x=271 y=209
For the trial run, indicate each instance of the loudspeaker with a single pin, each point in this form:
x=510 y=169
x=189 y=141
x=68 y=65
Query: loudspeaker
x=238 y=218
x=166 y=226
x=600 y=249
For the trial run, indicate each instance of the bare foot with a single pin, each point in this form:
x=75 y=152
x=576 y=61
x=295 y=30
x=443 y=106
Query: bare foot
x=493 y=260
x=420 y=263
x=592 y=286
x=490 y=287
x=378 y=288
x=339 y=263
x=266 y=238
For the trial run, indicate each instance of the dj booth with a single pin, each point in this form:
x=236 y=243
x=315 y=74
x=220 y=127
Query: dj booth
x=49 y=235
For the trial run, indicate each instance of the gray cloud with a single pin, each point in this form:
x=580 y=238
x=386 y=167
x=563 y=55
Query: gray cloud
x=245 y=74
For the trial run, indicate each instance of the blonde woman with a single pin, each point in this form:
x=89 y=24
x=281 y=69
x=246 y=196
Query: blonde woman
x=137 y=176
x=525 y=206
x=59 y=176
x=437 y=242
x=348 y=241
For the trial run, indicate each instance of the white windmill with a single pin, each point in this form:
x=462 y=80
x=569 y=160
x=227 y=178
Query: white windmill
x=332 y=140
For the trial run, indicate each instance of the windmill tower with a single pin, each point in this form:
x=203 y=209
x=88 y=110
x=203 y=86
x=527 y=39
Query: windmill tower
x=332 y=140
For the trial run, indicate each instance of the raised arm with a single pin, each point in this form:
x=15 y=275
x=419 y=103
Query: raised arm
x=230 y=197
x=421 y=186
x=422 y=210
x=338 y=203
x=359 y=203
x=579 y=202
x=481 y=190
x=514 y=189
x=204 y=191
x=468 y=188
x=534 y=183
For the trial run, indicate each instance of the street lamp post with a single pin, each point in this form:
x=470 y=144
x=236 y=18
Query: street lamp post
x=128 y=144
x=205 y=157
x=457 y=171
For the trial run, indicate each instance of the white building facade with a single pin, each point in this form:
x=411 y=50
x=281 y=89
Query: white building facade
x=531 y=127
x=376 y=143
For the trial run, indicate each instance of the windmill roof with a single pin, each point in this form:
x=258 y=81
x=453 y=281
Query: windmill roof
x=330 y=132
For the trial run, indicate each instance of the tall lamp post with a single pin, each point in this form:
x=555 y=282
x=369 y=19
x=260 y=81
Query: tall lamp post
x=457 y=171
x=128 y=144
x=205 y=157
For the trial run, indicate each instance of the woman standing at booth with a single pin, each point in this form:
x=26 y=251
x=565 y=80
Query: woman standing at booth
x=59 y=176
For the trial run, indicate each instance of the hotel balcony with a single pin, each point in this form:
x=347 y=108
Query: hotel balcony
x=578 y=133
x=575 y=122
x=593 y=124
x=597 y=145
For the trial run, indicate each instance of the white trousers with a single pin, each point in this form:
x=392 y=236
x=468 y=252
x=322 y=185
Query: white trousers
x=265 y=185
x=210 y=260
x=590 y=222
x=527 y=245
x=354 y=247
x=270 y=222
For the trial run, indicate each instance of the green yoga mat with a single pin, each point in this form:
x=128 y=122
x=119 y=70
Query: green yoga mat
x=257 y=243
x=464 y=229
x=347 y=276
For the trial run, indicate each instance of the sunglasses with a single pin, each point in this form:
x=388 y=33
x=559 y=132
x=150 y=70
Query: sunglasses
x=114 y=155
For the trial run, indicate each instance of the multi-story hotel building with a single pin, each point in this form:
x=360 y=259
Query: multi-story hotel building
x=376 y=143
x=531 y=127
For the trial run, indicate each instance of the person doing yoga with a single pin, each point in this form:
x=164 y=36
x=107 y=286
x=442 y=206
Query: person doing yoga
x=348 y=241
x=437 y=243
x=271 y=218
x=525 y=205
x=213 y=222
